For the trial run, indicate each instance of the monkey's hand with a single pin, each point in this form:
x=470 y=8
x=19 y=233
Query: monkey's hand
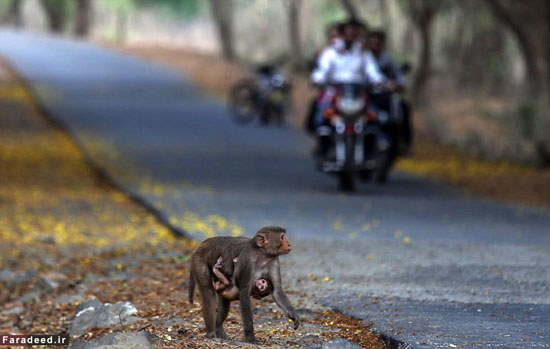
x=295 y=320
x=219 y=263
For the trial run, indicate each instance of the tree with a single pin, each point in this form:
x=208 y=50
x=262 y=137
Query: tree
x=83 y=15
x=13 y=17
x=422 y=13
x=222 y=12
x=350 y=8
x=56 y=12
x=528 y=22
x=294 y=33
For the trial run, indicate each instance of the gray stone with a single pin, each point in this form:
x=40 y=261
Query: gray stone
x=69 y=298
x=47 y=284
x=7 y=275
x=340 y=343
x=118 y=340
x=176 y=321
x=14 y=311
x=96 y=314
x=311 y=341
x=31 y=296
x=11 y=278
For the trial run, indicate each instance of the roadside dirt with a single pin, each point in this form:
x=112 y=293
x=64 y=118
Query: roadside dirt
x=66 y=238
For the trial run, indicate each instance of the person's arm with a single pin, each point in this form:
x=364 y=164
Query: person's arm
x=324 y=62
x=372 y=70
x=399 y=77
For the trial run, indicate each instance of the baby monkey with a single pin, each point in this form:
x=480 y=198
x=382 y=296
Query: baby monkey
x=227 y=288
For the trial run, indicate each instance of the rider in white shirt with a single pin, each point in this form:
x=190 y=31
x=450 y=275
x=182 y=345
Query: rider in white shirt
x=346 y=62
x=342 y=61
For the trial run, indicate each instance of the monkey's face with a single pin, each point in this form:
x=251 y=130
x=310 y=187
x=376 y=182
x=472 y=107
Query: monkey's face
x=262 y=288
x=261 y=285
x=272 y=241
x=284 y=246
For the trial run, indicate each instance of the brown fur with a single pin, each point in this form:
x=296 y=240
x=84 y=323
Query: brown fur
x=258 y=257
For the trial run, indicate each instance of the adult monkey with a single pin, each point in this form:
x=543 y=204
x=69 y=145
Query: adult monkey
x=257 y=257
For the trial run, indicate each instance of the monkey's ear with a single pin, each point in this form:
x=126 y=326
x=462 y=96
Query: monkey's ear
x=261 y=240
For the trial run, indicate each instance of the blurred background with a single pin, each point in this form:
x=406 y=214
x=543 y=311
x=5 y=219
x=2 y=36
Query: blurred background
x=479 y=89
x=480 y=78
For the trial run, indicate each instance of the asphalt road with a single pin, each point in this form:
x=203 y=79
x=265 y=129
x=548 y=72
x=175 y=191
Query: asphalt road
x=419 y=260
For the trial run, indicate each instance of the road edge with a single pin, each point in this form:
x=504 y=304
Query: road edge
x=389 y=340
x=99 y=172
x=104 y=177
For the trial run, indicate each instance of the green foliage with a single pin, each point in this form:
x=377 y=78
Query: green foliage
x=119 y=5
x=178 y=8
x=331 y=11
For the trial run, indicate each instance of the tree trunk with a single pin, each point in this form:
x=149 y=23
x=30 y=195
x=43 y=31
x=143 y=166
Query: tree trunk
x=83 y=16
x=424 y=61
x=294 y=33
x=350 y=8
x=423 y=13
x=56 y=12
x=121 y=25
x=386 y=23
x=14 y=15
x=526 y=44
x=222 y=12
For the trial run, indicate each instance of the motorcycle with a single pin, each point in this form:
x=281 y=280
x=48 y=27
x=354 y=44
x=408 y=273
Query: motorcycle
x=266 y=96
x=355 y=135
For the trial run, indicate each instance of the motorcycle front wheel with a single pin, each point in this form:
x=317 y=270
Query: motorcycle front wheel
x=347 y=176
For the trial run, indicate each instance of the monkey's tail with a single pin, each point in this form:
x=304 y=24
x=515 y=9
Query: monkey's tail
x=191 y=287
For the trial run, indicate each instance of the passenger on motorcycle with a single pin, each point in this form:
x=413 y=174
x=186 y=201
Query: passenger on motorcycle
x=348 y=64
x=376 y=43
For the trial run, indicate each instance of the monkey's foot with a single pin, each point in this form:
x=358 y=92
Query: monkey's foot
x=220 y=333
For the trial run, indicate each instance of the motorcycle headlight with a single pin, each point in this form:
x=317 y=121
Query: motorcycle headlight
x=350 y=105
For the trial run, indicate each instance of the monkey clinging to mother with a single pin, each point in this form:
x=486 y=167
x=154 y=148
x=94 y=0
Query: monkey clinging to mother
x=252 y=265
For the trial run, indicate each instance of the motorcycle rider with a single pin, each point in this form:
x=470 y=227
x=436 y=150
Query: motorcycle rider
x=376 y=43
x=335 y=65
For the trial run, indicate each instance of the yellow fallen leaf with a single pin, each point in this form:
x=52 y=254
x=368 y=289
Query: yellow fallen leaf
x=326 y=279
x=406 y=240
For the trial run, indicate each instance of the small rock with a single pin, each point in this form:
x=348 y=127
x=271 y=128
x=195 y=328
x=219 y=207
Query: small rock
x=46 y=284
x=96 y=314
x=175 y=322
x=69 y=298
x=340 y=343
x=137 y=340
x=309 y=340
x=31 y=296
x=28 y=276
x=14 y=311
x=12 y=279
x=7 y=275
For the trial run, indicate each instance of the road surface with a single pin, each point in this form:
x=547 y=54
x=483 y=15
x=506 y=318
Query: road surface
x=418 y=260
